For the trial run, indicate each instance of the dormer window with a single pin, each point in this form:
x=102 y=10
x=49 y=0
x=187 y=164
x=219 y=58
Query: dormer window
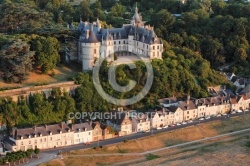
x=50 y=133
x=60 y=131
x=29 y=135
x=85 y=128
x=21 y=137
x=41 y=135
x=79 y=130
x=35 y=135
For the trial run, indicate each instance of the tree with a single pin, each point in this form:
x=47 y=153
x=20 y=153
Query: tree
x=162 y=21
x=16 y=60
x=37 y=151
x=117 y=10
x=240 y=54
x=47 y=53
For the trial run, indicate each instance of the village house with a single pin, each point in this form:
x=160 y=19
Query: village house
x=189 y=110
x=83 y=133
x=177 y=114
x=140 y=123
x=120 y=122
x=107 y=131
x=42 y=137
x=156 y=118
x=97 y=131
x=167 y=102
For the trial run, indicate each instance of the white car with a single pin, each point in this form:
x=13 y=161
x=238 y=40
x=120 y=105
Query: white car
x=164 y=127
x=190 y=121
x=238 y=111
x=184 y=123
x=207 y=117
x=201 y=119
x=246 y=110
x=219 y=115
x=178 y=124
x=224 y=114
x=233 y=112
x=158 y=128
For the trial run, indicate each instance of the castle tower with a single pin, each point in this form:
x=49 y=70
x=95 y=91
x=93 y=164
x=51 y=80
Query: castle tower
x=90 y=49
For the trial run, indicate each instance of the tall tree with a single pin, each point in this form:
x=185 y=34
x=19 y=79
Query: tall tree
x=16 y=60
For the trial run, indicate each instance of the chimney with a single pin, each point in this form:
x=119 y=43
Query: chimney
x=188 y=99
x=196 y=102
x=87 y=34
x=14 y=132
x=90 y=123
x=62 y=125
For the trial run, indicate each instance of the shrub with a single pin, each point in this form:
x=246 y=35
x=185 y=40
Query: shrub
x=152 y=156
x=248 y=144
x=125 y=141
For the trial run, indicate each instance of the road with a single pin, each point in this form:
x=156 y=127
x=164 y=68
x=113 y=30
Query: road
x=49 y=154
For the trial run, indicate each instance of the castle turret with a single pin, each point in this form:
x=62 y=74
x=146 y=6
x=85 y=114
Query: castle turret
x=90 y=49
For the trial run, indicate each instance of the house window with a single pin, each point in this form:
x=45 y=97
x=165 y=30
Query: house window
x=50 y=138
x=119 y=42
x=44 y=139
x=147 y=46
x=188 y=112
x=124 y=42
x=35 y=141
x=158 y=47
x=115 y=42
x=41 y=140
x=153 y=47
x=89 y=133
x=137 y=43
x=29 y=142
x=21 y=143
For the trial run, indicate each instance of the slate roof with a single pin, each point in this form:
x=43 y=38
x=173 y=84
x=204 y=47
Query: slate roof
x=81 y=127
x=246 y=89
x=118 y=117
x=140 y=33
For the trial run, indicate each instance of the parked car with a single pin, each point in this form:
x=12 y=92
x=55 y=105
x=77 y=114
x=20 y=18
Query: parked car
x=201 y=118
x=219 y=115
x=225 y=114
x=146 y=131
x=239 y=111
x=207 y=117
x=164 y=127
x=178 y=124
x=246 y=110
x=172 y=125
x=190 y=121
x=233 y=112
x=184 y=123
x=158 y=128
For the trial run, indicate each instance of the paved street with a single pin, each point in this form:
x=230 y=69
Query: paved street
x=49 y=154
